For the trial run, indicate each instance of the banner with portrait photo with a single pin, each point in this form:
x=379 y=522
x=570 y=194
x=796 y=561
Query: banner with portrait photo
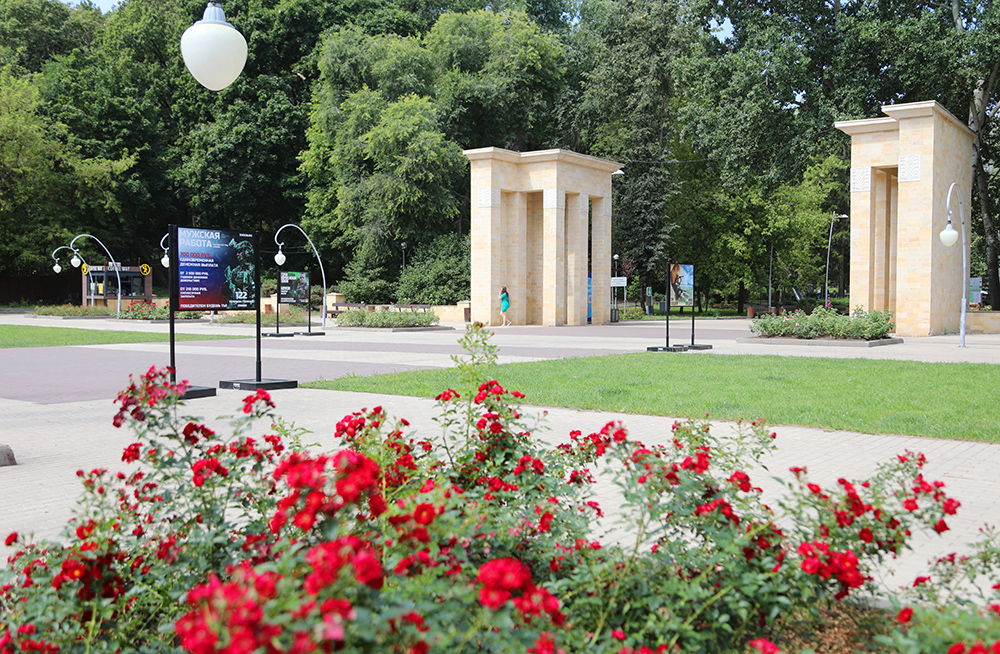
x=293 y=287
x=681 y=285
x=217 y=269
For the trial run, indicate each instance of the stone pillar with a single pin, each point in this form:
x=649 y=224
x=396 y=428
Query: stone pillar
x=600 y=259
x=517 y=242
x=577 y=222
x=554 y=257
x=487 y=252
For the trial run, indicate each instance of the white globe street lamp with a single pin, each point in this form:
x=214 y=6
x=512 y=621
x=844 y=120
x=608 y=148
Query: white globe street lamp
x=165 y=259
x=280 y=260
x=213 y=51
x=949 y=236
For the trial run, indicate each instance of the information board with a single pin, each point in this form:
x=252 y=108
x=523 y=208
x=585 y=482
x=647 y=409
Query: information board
x=216 y=269
x=293 y=287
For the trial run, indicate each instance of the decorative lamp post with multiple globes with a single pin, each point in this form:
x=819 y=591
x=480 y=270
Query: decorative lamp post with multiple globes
x=213 y=51
x=949 y=236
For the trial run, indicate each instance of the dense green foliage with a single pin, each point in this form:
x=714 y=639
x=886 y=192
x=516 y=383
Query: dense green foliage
x=351 y=117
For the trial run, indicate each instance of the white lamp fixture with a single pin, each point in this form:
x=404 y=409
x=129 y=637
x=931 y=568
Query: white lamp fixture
x=214 y=52
x=57 y=268
x=949 y=235
x=75 y=260
x=165 y=259
x=280 y=257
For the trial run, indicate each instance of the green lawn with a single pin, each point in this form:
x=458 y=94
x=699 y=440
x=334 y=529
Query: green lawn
x=941 y=400
x=18 y=336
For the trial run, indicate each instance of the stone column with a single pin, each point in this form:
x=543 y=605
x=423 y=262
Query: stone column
x=487 y=250
x=517 y=239
x=600 y=259
x=554 y=257
x=577 y=219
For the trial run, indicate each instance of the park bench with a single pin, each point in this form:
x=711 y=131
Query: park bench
x=338 y=308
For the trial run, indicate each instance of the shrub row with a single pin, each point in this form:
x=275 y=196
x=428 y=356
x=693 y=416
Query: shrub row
x=385 y=318
x=826 y=323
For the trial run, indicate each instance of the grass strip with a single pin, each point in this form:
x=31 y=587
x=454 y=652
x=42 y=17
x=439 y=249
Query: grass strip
x=21 y=336
x=938 y=400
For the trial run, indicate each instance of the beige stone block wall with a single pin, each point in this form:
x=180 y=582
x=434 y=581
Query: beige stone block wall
x=530 y=220
x=901 y=169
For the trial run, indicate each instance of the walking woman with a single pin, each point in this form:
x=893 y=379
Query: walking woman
x=504 y=305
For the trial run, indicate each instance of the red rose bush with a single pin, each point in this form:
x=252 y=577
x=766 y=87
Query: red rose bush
x=482 y=540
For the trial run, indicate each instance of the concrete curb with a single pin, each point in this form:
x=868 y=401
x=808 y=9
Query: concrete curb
x=821 y=342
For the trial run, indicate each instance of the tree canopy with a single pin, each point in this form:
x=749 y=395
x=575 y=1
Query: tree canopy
x=351 y=117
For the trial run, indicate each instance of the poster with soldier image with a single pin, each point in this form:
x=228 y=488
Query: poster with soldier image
x=681 y=285
x=293 y=287
x=217 y=269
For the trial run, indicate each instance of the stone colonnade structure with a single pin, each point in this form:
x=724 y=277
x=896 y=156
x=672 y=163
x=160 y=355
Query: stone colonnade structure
x=901 y=170
x=533 y=214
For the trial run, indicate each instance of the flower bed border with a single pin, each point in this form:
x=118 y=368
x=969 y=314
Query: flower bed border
x=835 y=342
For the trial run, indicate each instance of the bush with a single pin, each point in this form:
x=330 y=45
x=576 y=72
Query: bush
x=76 y=310
x=149 y=311
x=632 y=313
x=481 y=540
x=384 y=318
x=438 y=273
x=826 y=323
x=291 y=314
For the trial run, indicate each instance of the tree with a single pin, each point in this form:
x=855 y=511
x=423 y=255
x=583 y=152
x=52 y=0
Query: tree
x=42 y=179
x=438 y=273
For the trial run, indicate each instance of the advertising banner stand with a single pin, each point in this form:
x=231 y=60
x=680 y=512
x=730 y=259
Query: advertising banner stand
x=680 y=292
x=192 y=392
x=294 y=288
x=219 y=270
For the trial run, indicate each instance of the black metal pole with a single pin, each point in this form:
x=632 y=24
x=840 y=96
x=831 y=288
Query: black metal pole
x=256 y=248
x=692 y=319
x=173 y=285
x=277 y=314
x=669 y=289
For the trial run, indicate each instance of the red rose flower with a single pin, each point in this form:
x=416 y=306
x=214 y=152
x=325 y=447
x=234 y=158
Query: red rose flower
x=905 y=615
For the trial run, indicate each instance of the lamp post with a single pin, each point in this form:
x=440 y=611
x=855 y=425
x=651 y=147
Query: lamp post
x=402 y=246
x=76 y=260
x=213 y=51
x=829 y=244
x=56 y=268
x=280 y=260
x=614 y=294
x=948 y=237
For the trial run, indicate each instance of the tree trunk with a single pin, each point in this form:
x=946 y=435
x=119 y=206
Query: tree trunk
x=990 y=233
x=978 y=117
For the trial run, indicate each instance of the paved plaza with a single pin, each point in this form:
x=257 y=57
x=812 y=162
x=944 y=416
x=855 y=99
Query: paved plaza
x=56 y=406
